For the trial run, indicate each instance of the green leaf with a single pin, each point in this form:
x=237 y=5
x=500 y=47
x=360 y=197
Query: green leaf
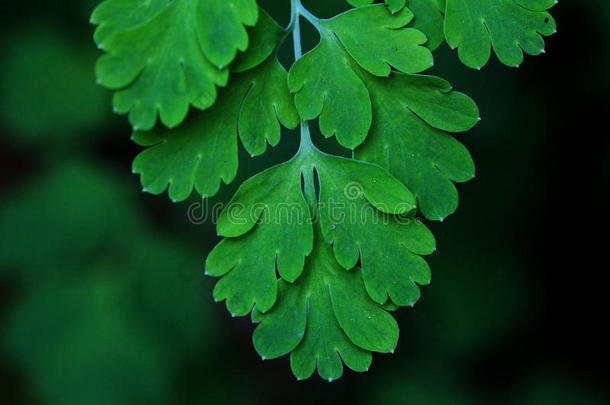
x=362 y=220
x=511 y=26
x=324 y=80
x=179 y=57
x=266 y=225
x=227 y=17
x=114 y=16
x=323 y=318
x=203 y=151
x=326 y=86
x=439 y=4
x=411 y=114
x=393 y=5
x=222 y=27
x=264 y=38
x=381 y=42
x=323 y=309
x=429 y=20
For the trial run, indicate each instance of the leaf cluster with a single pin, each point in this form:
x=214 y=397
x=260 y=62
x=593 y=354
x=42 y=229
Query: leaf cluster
x=319 y=249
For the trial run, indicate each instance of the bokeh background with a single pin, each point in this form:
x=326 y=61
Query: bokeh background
x=102 y=293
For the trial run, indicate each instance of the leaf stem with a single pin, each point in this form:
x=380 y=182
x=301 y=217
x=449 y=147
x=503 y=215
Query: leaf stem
x=307 y=170
x=306 y=143
x=296 y=11
x=306 y=148
x=315 y=21
x=296 y=29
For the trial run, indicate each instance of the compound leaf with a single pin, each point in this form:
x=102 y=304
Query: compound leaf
x=411 y=114
x=323 y=318
x=324 y=80
x=511 y=26
x=317 y=264
x=266 y=225
x=164 y=56
x=323 y=308
x=203 y=151
x=365 y=220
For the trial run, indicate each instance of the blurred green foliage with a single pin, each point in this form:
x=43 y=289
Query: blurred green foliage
x=102 y=294
x=49 y=89
x=109 y=305
x=69 y=215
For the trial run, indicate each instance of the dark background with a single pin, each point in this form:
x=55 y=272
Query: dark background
x=102 y=297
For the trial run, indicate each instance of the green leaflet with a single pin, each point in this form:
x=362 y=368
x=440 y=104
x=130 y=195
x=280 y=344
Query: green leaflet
x=393 y=5
x=511 y=26
x=264 y=38
x=202 y=152
x=323 y=318
x=323 y=309
x=222 y=28
x=410 y=115
x=266 y=225
x=381 y=42
x=438 y=4
x=429 y=20
x=114 y=16
x=178 y=59
x=333 y=92
x=325 y=83
x=360 y=215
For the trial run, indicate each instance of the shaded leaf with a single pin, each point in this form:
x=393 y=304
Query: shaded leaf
x=511 y=26
x=324 y=319
x=179 y=59
x=202 y=152
x=267 y=225
x=324 y=80
x=365 y=221
x=411 y=115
